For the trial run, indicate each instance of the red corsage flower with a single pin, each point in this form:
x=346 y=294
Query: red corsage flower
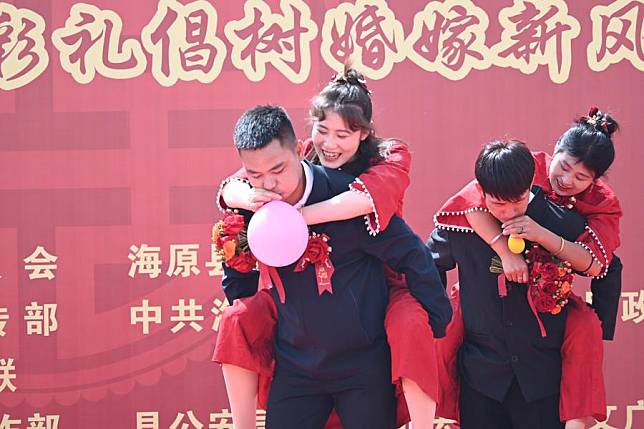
x=233 y=224
x=244 y=262
x=317 y=254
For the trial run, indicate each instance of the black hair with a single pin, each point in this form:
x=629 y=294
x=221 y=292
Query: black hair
x=504 y=169
x=259 y=126
x=589 y=140
x=348 y=96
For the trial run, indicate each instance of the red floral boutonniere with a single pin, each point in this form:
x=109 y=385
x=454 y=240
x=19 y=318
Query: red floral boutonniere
x=229 y=236
x=317 y=253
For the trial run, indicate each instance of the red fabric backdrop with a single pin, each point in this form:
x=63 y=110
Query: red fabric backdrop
x=111 y=152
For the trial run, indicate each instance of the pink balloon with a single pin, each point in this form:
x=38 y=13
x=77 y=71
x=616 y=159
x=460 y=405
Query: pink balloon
x=277 y=234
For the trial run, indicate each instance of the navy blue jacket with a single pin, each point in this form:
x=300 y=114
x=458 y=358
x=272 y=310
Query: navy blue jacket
x=335 y=335
x=502 y=337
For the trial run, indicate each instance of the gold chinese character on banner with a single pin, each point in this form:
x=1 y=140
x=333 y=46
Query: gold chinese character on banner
x=630 y=410
x=193 y=422
x=449 y=38
x=8 y=423
x=186 y=313
x=282 y=40
x=4 y=317
x=260 y=419
x=183 y=42
x=145 y=314
x=221 y=420
x=604 y=424
x=217 y=310
x=23 y=55
x=145 y=260
x=41 y=264
x=618 y=30
x=216 y=259
x=183 y=260
x=633 y=306
x=367 y=33
x=43 y=422
x=41 y=319
x=6 y=374
x=537 y=33
x=91 y=43
x=147 y=420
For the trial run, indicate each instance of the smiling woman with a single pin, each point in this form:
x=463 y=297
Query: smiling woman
x=569 y=176
x=334 y=141
x=583 y=153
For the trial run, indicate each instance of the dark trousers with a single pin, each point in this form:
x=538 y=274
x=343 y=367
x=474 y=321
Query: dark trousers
x=482 y=412
x=363 y=401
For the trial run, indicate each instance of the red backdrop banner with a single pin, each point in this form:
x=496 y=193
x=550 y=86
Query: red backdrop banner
x=116 y=123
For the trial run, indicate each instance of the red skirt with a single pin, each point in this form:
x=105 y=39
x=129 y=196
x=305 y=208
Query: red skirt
x=245 y=338
x=583 y=392
x=412 y=343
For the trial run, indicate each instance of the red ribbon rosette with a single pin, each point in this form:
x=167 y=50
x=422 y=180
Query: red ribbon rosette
x=317 y=253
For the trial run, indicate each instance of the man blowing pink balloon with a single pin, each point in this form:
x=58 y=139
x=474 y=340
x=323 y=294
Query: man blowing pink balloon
x=330 y=344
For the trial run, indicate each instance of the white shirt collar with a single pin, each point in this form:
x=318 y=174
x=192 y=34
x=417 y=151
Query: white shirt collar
x=308 y=185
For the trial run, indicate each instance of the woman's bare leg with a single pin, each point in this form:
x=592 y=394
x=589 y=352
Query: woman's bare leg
x=241 y=386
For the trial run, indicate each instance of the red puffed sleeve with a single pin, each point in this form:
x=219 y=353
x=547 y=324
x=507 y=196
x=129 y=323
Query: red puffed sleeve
x=452 y=215
x=239 y=175
x=385 y=183
x=602 y=211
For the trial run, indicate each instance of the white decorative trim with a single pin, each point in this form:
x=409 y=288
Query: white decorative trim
x=604 y=265
x=371 y=229
x=447 y=227
x=221 y=188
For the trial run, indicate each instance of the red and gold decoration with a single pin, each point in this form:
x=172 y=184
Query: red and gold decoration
x=317 y=253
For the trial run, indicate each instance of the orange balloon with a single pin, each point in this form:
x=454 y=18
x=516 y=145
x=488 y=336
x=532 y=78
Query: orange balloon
x=516 y=244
